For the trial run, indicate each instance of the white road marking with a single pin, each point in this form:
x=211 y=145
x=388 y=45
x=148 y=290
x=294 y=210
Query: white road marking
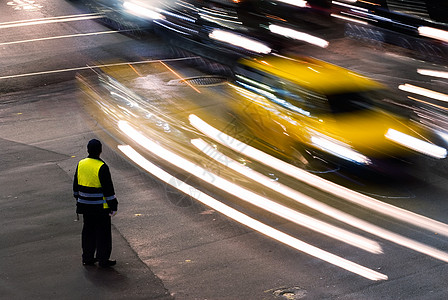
x=49 y=20
x=93 y=67
x=24 y=5
x=59 y=37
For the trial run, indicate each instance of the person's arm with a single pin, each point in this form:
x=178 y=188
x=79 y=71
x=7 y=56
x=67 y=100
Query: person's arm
x=75 y=184
x=108 y=187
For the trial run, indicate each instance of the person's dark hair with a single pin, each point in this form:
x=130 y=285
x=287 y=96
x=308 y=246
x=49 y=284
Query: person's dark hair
x=94 y=147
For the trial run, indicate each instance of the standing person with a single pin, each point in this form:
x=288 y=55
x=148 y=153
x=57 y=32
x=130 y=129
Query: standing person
x=96 y=201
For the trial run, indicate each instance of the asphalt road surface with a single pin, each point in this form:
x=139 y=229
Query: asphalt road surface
x=196 y=251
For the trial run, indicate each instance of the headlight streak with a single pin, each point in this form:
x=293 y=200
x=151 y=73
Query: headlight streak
x=299 y=3
x=191 y=31
x=141 y=11
x=301 y=36
x=177 y=16
x=350 y=6
x=248 y=196
x=416 y=144
x=254 y=82
x=349 y=19
x=239 y=41
x=434 y=73
x=434 y=33
x=339 y=149
x=317 y=205
x=248 y=221
x=127 y=111
x=423 y=92
x=317 y=182
x=274 y=98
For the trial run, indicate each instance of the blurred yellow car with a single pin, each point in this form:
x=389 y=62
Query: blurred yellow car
x=304 y=103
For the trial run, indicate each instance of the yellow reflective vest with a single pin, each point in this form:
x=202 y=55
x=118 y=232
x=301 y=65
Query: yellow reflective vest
x=88 y=184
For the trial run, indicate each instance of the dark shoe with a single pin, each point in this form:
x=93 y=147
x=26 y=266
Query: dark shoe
x=88 y=262
x=107 y=263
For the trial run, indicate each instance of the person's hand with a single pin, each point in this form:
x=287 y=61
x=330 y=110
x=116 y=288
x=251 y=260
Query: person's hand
x=113 y=213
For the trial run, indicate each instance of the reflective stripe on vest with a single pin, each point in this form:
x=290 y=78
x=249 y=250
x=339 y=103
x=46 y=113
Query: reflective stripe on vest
x=91 y=201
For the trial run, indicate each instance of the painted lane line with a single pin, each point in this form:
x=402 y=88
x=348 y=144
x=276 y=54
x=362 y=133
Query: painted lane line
x=317 y=182
x=249 y=196
x=48 y=21
x=93 y=67
x=50 y=18
x=210 y=151
x=59 y=37
x=248 y=221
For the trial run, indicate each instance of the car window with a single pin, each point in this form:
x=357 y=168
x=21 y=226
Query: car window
x=349 y=102
x=358 y=101
x=282 y=92
x=315 y=103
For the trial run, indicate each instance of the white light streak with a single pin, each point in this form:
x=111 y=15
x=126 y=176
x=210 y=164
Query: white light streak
x=239 y=41
x=299 y=3
x=141 y=11
x=423 y=92
x=316 y=205
x=350 y=6
x=301 y=36
x=249 y=196
x=434 y=33
x=320 y=183
x=339 y=149
x=248 y=221
x=416 y=144
x=433 y=73
x=349 y=19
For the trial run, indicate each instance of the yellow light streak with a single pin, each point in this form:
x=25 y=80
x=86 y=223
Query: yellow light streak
x=135 y=70
x=180 y=77
x=428 y=103
x=248 y=221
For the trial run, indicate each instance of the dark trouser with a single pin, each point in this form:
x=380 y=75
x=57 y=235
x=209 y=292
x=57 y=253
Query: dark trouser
x=96 y=236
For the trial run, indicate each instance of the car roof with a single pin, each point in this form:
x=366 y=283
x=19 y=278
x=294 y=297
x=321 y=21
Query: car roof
x=313 y=74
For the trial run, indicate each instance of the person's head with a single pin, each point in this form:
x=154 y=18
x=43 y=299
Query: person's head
x=94 y=148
